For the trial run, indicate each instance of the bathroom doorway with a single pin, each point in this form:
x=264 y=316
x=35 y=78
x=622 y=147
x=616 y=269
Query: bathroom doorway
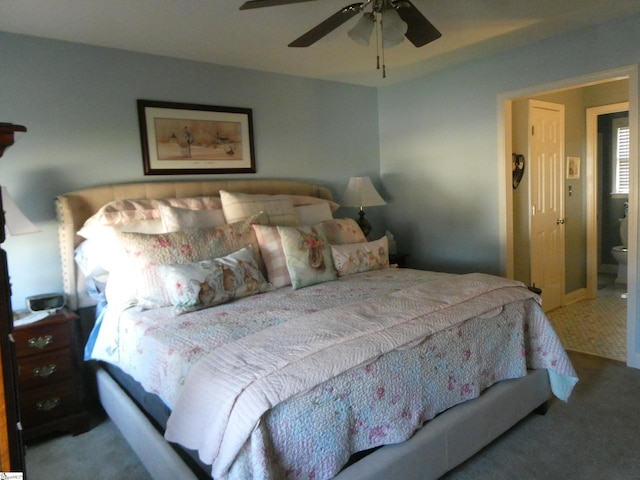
x=581 y=202
x=608 y=131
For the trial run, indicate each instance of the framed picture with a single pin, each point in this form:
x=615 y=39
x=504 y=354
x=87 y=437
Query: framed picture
x=181 y=138
x=573 y=168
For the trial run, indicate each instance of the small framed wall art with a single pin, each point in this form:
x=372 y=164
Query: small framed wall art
x=573 y=168
x=183 y=138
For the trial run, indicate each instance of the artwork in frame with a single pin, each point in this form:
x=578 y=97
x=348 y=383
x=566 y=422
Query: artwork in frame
x=573 y=168
x=182 y=138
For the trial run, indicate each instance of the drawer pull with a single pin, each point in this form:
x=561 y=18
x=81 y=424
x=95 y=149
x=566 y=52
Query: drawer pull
x=45 y=371
x=40 y=342
x=48 y=404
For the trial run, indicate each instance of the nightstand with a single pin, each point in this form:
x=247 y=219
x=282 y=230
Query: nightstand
x=50 y=377
x=399 y=259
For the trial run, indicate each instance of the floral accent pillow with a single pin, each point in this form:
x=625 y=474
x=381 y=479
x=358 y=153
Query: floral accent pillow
x=141 y=253
x=340 y=231
x=360 y=257
x=308 y=256
x=212 y=282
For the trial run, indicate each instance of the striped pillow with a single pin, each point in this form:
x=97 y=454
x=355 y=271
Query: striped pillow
x=273 y=256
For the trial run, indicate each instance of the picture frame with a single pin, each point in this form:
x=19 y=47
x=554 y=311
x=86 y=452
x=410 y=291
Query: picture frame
x=185 y=138
x=573 y=168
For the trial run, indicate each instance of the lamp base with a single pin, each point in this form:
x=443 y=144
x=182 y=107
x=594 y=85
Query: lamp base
x=364 y=224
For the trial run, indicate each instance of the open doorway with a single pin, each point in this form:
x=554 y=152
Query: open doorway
x=581 y=200
x=608 y=151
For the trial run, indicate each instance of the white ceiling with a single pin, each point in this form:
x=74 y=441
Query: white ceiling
x=217 y=31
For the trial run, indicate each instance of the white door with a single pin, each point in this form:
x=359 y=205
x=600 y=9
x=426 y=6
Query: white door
x=546 y=200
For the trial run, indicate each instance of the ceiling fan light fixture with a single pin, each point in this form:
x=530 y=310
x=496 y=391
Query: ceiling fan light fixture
x=393 y=28
x=361 y=32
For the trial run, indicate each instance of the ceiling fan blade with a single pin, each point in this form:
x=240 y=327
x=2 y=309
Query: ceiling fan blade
x=420 y=30
x=268 y=3
x=326 y=27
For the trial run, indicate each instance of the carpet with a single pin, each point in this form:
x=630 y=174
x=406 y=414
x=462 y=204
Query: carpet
x=594 y=436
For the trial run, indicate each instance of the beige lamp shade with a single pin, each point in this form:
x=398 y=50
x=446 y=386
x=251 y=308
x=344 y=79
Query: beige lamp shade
x=16 y=222
x=361 y=193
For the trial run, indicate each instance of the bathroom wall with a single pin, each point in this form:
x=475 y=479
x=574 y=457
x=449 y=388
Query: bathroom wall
x=611 y=206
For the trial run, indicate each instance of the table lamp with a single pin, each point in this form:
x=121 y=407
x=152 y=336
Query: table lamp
x=361 y=193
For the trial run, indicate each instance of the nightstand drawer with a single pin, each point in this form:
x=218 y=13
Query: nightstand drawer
x=40 y=405
x=44 y=369
x=41 y=339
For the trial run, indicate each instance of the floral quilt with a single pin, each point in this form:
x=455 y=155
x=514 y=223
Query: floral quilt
x=313 y=434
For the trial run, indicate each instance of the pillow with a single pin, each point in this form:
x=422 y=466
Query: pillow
x=239 y=206
x=272 y=255
x=96 y=231
x=175 y=219
x=308 y=256
x=299 y=200
x=140 y=215
x=125 y=211
x=340 y=231
x=360 y=257
x=313 y=213
x=140 y=253
x=88 y=257
x=212 y=282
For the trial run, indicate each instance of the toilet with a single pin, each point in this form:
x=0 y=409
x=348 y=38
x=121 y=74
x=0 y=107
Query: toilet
x=619 y=252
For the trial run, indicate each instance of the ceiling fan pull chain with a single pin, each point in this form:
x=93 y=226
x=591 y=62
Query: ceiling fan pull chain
x=375 y=19
x=384 y=66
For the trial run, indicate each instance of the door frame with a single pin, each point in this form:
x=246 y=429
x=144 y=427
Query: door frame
x=505 y=199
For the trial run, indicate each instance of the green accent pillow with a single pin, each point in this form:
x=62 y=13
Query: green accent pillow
x=308 y=256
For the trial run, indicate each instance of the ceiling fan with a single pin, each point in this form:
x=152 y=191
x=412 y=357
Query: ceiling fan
x=411 y=24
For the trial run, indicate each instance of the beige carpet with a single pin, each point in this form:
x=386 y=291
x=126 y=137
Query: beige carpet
x=597 y=327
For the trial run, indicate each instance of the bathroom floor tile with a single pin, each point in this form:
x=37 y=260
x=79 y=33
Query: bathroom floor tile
x=595 y=326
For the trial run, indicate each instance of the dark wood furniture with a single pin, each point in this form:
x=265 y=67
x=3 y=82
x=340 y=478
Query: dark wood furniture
x=11 y=447
x=50 y=376
x=399 y=259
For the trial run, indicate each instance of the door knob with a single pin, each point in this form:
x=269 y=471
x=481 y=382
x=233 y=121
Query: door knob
x=560 y=221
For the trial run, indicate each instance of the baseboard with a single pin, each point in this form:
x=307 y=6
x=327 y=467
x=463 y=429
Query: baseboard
x=606 y=268
x=574 y=296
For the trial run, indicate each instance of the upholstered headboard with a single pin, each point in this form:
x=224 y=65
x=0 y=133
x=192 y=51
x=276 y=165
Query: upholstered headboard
x=74 y=208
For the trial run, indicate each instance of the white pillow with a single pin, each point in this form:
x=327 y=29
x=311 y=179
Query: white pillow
x=240 y=206
x=89 y=258
x=96 y=231
x=129 y=210
x=132 y=215
x=175 y=219
x=314 y=213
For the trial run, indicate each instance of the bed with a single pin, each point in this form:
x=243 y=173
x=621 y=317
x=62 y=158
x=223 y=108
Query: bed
x=325 y=362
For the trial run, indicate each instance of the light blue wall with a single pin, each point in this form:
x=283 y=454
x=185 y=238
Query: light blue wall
x=79 y=105
x=433 y=140
x=439 y=148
